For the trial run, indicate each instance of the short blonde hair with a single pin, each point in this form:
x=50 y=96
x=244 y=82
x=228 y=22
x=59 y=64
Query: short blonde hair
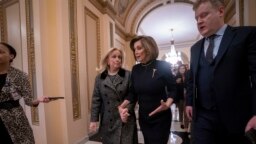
x=214 y=3
x=104 y=60
x=149 y=44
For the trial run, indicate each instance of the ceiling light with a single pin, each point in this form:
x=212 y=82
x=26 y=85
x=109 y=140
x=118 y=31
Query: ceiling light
x=173 y=56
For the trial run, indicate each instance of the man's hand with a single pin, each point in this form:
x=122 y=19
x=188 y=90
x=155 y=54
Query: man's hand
x=189 y=112
x=251 y=124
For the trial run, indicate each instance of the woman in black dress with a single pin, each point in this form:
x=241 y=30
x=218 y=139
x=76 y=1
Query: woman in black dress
x=153 y=86
x=180 y=96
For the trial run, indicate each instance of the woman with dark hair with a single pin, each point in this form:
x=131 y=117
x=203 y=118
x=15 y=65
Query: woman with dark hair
x=14 y=85
x=180 y=100
x=153 y=86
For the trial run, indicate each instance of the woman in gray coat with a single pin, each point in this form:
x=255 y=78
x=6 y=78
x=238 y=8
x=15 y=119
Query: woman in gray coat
x=111 y=87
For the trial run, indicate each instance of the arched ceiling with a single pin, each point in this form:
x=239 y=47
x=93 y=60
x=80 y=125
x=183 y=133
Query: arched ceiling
x=152 y=17
x=177 y=16
x=156 y=17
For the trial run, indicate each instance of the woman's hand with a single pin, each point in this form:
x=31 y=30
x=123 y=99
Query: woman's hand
x=189 y=112
x=178 y=80
x=43 y=99
x=124 y=114
x=164 y=106
x=123 y=111
x=93 y=126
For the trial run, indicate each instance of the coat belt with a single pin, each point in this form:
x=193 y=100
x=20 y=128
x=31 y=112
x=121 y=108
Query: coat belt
x=9 y=104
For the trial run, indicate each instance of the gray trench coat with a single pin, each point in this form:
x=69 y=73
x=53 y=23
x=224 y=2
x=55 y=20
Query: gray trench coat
x=107 y=96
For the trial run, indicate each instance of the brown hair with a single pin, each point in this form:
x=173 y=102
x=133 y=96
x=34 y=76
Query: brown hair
x=182 y=65
x=214 y=3
x=11 y=49
x=149 y=44
x=104 y=60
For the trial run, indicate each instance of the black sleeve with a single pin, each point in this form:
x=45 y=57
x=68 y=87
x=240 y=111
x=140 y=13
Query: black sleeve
x=252 y=64
x=132 y=96
x=132 y=103
x=189 y=87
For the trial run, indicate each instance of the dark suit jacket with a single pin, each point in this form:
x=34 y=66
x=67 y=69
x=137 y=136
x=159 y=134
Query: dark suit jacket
x=234 y=77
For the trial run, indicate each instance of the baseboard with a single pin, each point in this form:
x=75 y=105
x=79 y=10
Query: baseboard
x=83 y=140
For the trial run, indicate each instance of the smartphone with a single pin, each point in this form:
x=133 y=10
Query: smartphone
x=55 y=98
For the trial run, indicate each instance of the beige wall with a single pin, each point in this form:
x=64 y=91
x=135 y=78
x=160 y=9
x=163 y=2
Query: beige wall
x=53 y=59
x=249 y=12
x=52 y=74
x=92 y=51
x=14 y=32
x=53 y=64
x=129 y=59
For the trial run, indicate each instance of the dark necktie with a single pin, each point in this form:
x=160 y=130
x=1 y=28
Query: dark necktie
x=209 y=52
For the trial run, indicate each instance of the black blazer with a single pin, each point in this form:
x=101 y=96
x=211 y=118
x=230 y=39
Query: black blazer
x=234 y=77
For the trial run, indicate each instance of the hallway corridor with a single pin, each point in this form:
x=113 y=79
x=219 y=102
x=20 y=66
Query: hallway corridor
x=177 y=136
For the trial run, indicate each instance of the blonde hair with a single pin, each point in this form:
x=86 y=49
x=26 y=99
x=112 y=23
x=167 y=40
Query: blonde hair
x=149 y=44
x=104 y=60
x=214 y=3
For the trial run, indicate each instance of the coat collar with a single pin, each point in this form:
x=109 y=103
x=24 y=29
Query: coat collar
x=197 y=48
x=118 y=80
x=225 y=42
x=104 y=74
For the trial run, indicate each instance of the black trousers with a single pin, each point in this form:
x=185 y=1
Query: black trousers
x=5 y=137
x=207 y=128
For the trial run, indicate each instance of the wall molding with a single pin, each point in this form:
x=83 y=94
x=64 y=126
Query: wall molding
x=241 y=12
x=31 y=57
x=75 y=85
x=120 y=32
x=230 y=10
x=3 y=23
x=96 y=18
x=105 y=7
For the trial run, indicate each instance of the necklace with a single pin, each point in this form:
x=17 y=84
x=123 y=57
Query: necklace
x=112 y=73
x=146 y=64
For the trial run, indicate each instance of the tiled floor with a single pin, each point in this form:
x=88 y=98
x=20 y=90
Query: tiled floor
x=177 y=136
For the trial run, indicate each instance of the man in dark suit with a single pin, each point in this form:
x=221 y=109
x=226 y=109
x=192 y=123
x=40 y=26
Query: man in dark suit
x=222 y=84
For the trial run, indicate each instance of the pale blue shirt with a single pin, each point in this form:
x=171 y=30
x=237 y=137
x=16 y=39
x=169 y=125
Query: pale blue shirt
x=217 y=40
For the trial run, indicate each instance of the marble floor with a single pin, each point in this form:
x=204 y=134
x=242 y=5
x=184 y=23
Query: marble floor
x=177 y=136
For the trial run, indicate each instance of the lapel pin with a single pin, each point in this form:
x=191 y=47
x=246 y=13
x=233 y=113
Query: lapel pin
x=154 y=70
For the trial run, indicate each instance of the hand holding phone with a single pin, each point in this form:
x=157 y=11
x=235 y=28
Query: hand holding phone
x=55 y=98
